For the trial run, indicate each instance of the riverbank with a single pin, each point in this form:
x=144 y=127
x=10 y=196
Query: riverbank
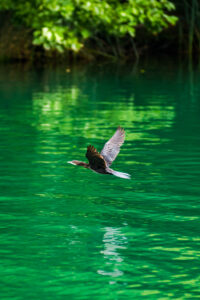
x=16 y=44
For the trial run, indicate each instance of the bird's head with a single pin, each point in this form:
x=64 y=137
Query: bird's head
x=78 y=163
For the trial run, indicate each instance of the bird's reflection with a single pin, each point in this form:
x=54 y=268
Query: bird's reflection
x=114 y=241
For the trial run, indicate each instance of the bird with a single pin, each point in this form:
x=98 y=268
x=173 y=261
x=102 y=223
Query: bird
x=101 y=162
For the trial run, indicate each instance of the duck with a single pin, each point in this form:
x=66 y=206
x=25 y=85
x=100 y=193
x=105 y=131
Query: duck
x=101 y=162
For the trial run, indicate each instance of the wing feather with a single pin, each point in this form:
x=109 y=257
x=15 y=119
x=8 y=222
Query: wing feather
x=96 y=160
x=112 y=147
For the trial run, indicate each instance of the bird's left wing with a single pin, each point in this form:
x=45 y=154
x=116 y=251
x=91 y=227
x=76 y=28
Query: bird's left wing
x=96 y=160
x=112 y=147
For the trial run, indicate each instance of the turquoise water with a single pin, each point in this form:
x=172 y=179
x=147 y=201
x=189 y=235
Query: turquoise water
x=69 y=233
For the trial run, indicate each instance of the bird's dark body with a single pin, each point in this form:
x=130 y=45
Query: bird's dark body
x=100 y=162
x=101 y=171
x=93 y=168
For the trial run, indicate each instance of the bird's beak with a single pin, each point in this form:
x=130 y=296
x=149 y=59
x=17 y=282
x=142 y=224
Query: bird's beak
x=71 y=162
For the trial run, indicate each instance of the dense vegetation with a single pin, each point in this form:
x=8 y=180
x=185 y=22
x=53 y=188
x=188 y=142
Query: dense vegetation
x=113 y=28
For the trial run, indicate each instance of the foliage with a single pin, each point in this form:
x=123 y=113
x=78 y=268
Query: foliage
x=69 y=24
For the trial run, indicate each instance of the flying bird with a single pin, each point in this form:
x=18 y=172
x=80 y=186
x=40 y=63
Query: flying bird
x=101 y=162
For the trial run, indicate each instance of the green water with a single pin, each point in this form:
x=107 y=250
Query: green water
x=69 y=233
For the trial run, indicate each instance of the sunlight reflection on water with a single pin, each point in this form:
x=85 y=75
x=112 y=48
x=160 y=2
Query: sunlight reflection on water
x=71 y=231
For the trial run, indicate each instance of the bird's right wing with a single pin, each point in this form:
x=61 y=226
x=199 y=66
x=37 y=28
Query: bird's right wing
x=96 y=160
x=112 y=147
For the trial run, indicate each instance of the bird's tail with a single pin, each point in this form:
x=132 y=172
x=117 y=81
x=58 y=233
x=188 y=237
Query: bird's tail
x=121 y=174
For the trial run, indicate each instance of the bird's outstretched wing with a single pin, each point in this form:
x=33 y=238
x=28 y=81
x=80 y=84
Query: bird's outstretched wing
x=112 y=147
x=96 y=160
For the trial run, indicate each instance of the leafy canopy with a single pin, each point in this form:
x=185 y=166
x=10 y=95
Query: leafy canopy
x=68 y=24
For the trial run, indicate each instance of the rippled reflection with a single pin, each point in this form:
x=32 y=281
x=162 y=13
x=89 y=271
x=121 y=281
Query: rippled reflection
x=67 y=231
x=113 y=240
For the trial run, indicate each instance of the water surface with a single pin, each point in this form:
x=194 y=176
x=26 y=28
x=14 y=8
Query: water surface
x=68 y=233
